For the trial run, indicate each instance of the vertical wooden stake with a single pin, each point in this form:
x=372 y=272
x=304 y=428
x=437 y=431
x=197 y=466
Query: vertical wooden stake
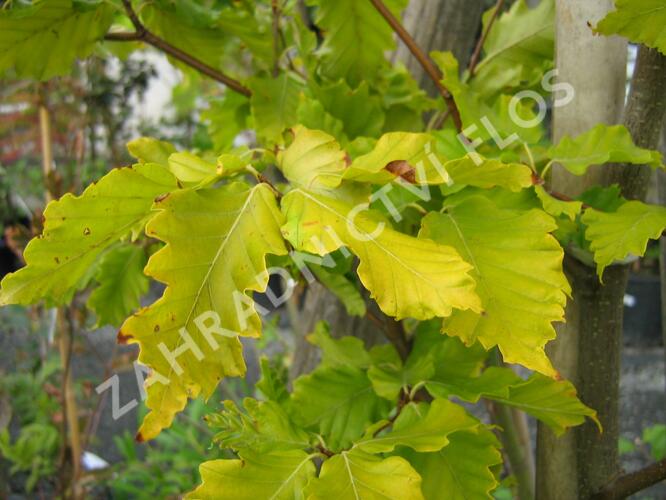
x=63 y=326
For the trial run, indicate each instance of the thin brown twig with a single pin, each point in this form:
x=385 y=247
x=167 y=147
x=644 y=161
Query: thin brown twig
x=402 y=402
x=631 y=483
x=474 y=61
x=143 y=35
x=430 y=69
x=395 y=332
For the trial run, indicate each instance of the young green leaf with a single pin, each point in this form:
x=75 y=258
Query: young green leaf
x=354 y=475
x=519 y=48
x=641 y=21
x=390 y=376
x=490 y=122
x=274 y=104
x=277 y=475
x=312 y=115
x=43 y=40
x=518 y=267
x=461 y=470
x=422 y=427
x=193 y=35
x=407 y=276
x=613 y=236
x=356 y=37
x=599 y=145
x=226 y=118
x=263 y=428
x=360 y=112
x=555 y=207
x=255 y=35
x=554 y=402
x=273 y=382
x=78 y=229
x=121 y=284
x=217 y=243
x=338 y=402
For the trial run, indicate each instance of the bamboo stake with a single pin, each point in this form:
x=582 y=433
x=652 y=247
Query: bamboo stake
x=64 y=328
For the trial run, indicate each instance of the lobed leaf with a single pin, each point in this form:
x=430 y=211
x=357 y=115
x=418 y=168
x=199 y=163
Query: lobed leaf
x=554 y=402
x=264 y=427
x=615 y=235
x=356 y=37
x=217 y=243
x=407 y=276
x=79 y=229
x=277 y=475
x=352 y=475
x=338 y=402
x=518 y=268
x=519 y=48
x=274 y=104
x=422 y=427
x=43 y=40
x=599 y=145
x=461 y=470
x=641 y=21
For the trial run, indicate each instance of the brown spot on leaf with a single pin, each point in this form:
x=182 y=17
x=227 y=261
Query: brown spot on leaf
x=401 y=168
x=86 y=231
x=157 y=328
x=57 y=260
x=558 y=376
x=123 y=338
x=139 y=438
x=162 y=197
x=310 y=223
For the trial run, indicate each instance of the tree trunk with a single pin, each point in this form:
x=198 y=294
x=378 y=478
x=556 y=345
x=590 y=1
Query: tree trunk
x=661 y=194
x=644 y=118
x=440 y=25
x=588 y=352
x=436 y=25
x=595 y=67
